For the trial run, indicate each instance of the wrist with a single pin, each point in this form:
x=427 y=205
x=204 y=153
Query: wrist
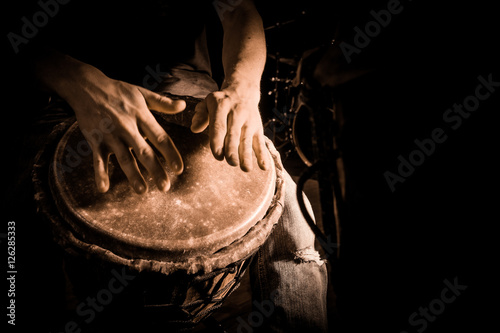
x=62 y=74
x=246 y=90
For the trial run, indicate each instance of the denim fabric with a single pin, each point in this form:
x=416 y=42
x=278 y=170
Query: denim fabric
x=289 y=285
x=186 y=81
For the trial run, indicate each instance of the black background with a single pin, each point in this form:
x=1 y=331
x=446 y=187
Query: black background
x=399 y=246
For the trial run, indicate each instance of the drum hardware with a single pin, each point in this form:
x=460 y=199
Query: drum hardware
x=277 y=80
x=286 y=61
x=281 y=24
x=279 y=127
x=280 y=80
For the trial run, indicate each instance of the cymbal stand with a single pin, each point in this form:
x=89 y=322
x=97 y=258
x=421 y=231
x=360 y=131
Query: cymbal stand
x=279 y=126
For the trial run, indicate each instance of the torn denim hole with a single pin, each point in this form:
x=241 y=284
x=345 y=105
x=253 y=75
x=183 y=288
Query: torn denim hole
x=308 y=254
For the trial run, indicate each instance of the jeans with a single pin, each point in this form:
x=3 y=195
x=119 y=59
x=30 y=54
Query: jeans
x=288 y=276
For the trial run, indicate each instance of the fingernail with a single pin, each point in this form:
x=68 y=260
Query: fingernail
x=102 y=186
x=218 y=154
x=163 y=185
x=233 y=160
x=180 y=104
x=246 y=167
x=177 y=167
x=139 y=188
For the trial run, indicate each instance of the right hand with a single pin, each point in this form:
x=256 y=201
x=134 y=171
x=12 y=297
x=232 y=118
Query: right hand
x=96 y=100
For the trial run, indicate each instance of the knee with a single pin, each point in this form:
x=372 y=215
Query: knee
x=308 y=255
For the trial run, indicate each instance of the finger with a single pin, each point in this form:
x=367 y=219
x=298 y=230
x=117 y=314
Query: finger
x=245 y=150
x=162 y=141
x=232 y=140
x=161 y=103
x=261 y=151
x=200 y=118
x=148 y=159
x=101 y=170
x=130 y=169
x=217 y=112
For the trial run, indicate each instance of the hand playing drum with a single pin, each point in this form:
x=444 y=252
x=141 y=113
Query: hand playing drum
x=235 y=131
x=95 y=98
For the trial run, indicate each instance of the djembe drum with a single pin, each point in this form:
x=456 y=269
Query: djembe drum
x=194 y=241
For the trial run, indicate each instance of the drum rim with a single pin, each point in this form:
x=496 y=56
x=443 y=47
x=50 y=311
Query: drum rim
x=65 y=236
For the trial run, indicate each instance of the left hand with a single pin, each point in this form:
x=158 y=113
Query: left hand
x=235 y=127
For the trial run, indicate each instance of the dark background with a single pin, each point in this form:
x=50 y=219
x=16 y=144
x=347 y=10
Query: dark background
x=399 y=246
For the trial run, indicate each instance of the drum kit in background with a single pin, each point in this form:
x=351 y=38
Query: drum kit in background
x=286 y=120
x=287 y=124
x=303 y=119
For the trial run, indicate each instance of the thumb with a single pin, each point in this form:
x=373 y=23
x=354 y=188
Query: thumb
x=161 y=103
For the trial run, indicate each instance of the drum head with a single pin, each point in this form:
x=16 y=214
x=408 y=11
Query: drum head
x=209 y=206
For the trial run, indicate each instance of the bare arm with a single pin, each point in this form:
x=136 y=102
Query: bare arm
x=236 y=126
x=244 y=48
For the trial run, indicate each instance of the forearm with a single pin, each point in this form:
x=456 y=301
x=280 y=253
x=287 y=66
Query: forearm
x=59 y=73
x=244 y=49
x=233 y=112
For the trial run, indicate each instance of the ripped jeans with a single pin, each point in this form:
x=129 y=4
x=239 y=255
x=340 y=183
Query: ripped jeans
x=289 y=281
